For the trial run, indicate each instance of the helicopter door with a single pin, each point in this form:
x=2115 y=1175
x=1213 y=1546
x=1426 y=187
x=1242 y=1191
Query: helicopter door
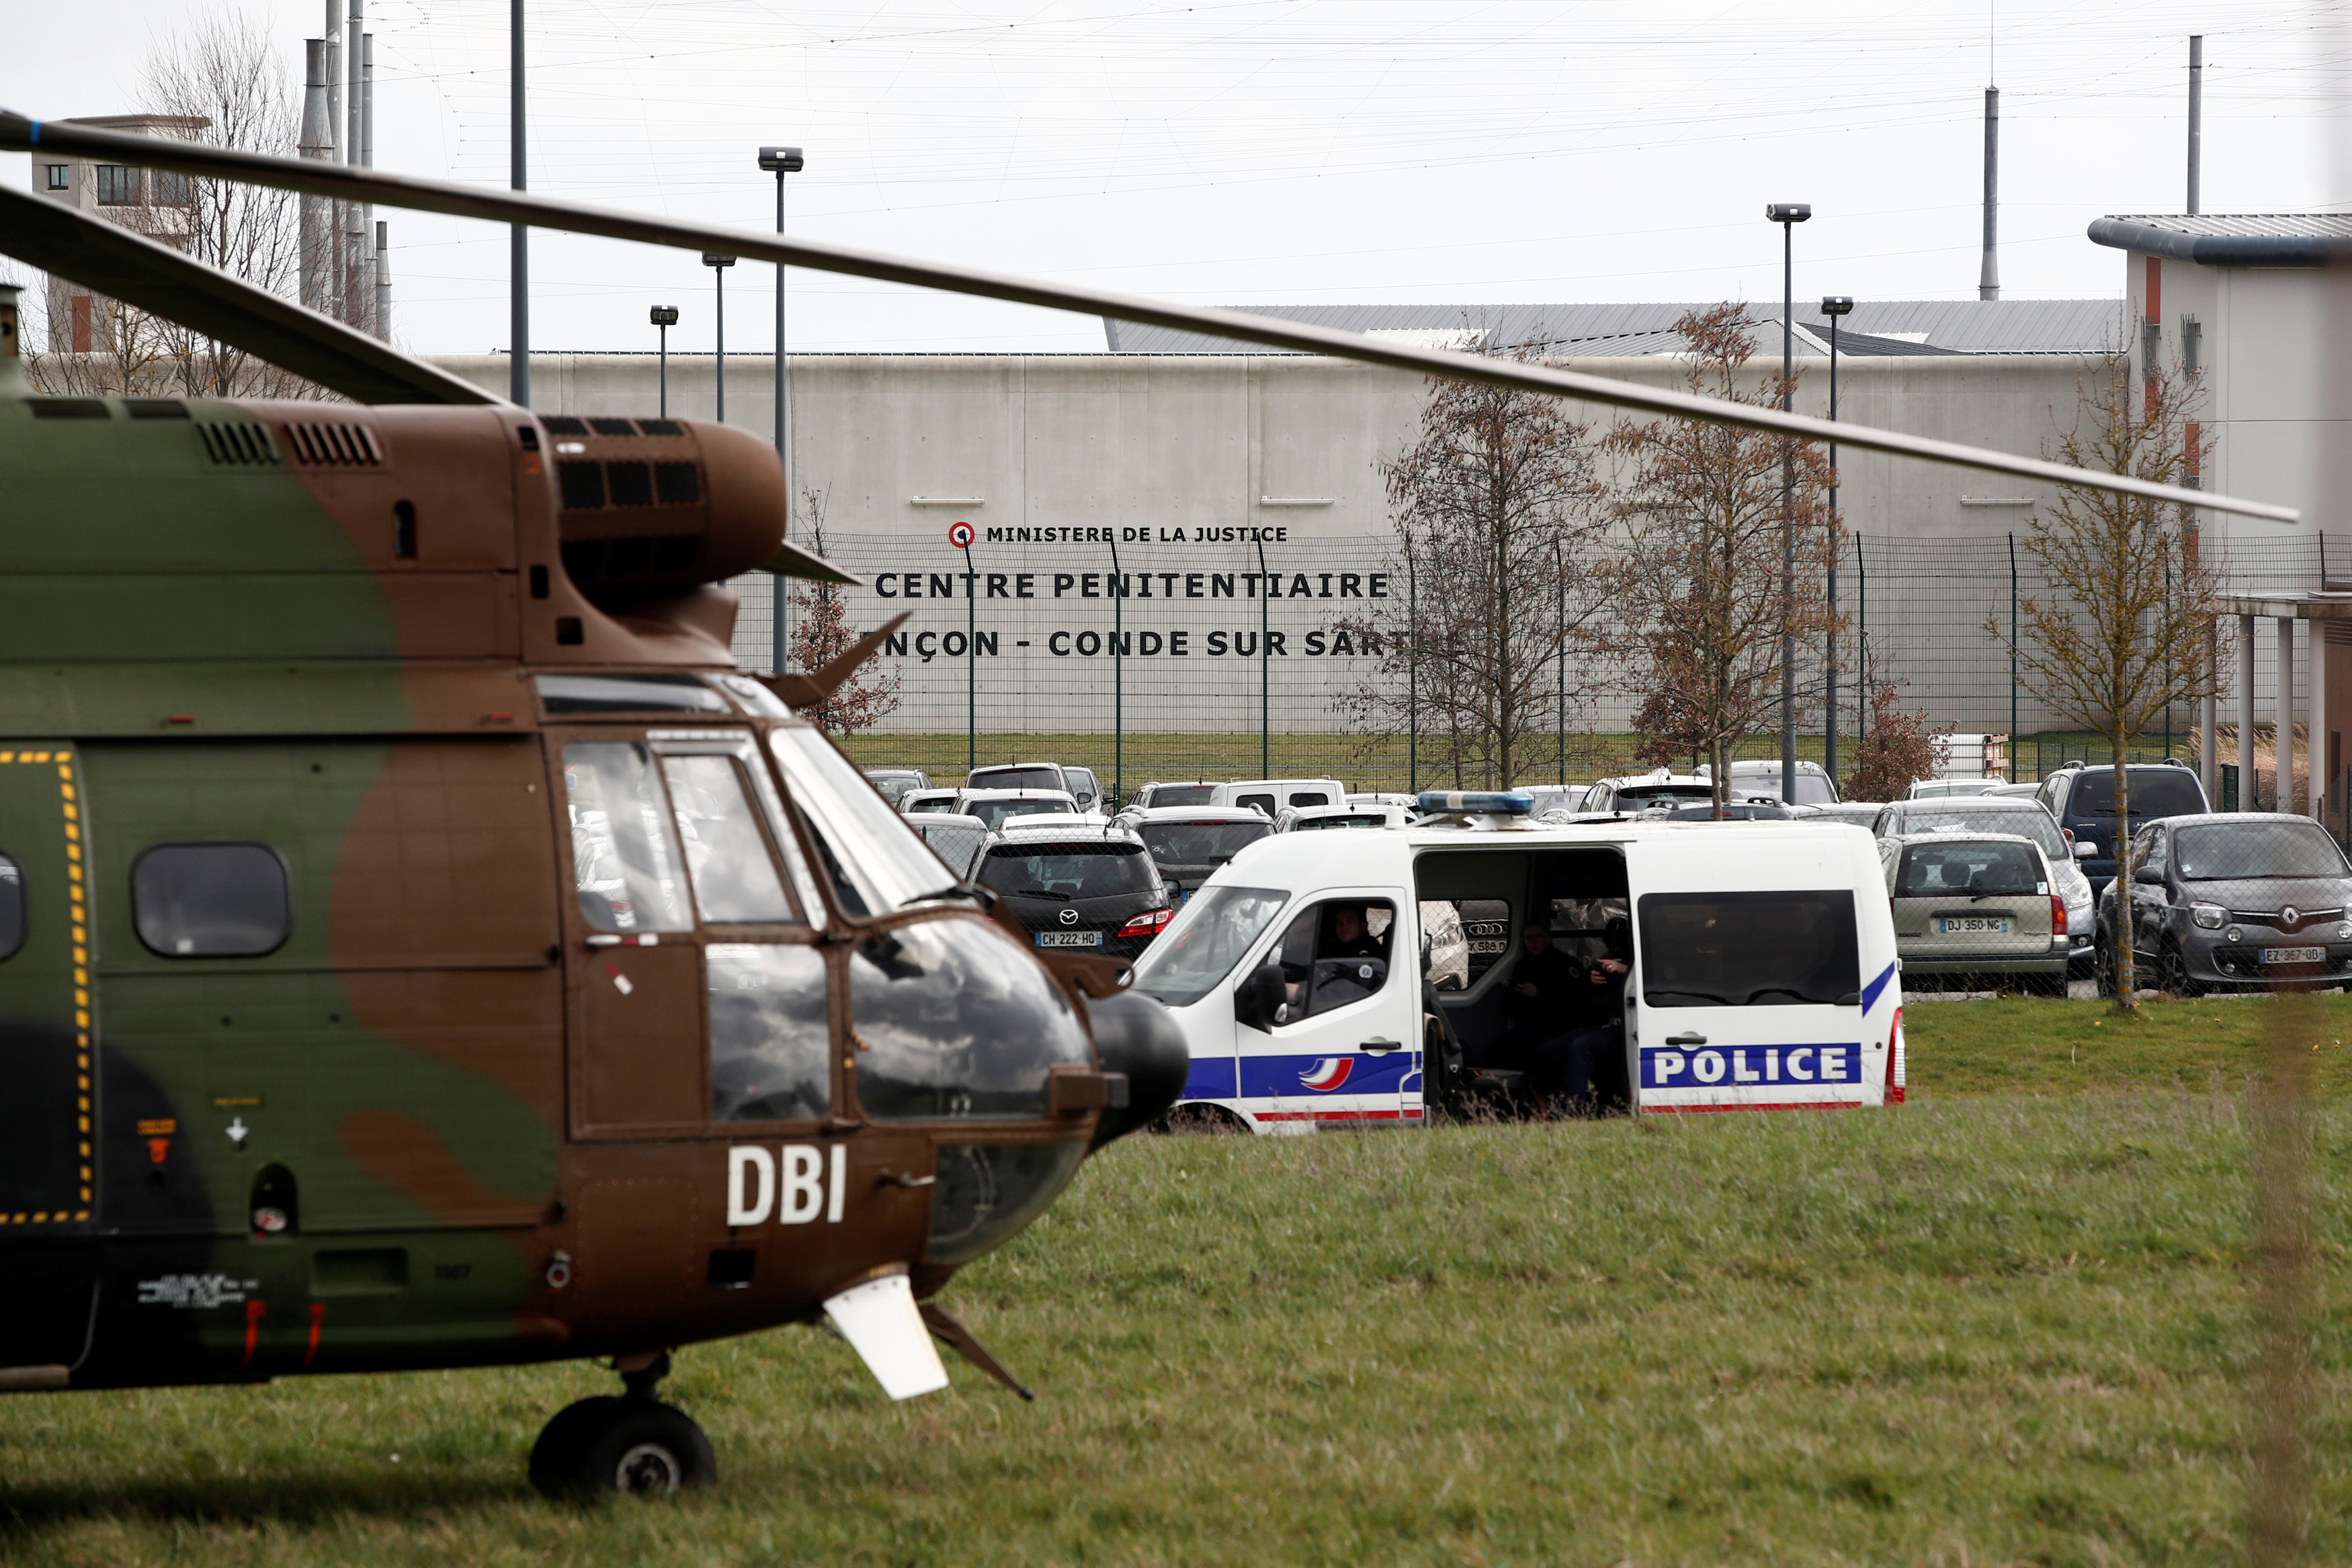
x=632 y=968
x=687 y=932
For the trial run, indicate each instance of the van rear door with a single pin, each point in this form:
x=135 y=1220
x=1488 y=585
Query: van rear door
x=1746 y=986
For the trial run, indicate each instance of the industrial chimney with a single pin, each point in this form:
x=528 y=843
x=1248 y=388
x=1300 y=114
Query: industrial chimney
x=1988 y=280
x=318 y=143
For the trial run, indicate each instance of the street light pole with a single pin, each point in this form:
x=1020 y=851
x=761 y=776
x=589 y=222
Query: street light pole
x=1836 y=307
x=780 y=162
x=665 y=316
x=718 y=264
x=1788 y=215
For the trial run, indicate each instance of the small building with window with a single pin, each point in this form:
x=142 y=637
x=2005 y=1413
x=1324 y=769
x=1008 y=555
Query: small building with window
x=153 y=202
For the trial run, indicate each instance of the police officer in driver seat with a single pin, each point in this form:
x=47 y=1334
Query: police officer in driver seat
x=1347 y=936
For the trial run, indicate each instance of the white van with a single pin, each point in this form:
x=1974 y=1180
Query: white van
x=1764 y=974
x=1271 y=795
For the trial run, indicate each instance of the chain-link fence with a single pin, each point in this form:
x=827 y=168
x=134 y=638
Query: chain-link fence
x=1234 y=653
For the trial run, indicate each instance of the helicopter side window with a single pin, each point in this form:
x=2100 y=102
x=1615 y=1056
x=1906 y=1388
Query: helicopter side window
x=726 y=857
x=12 y=907
x=211 y=901
x=624 y=850
x=771 y=1035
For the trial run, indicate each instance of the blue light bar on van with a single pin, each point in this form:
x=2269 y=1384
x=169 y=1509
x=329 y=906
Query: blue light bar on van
x=1491 y=802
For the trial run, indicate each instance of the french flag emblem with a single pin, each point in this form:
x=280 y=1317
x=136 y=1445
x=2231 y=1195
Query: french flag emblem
x=1328 y=1073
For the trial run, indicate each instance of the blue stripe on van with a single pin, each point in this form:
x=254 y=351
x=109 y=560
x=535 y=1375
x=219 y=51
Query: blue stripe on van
x=1211 y=1079
x=1870 y=993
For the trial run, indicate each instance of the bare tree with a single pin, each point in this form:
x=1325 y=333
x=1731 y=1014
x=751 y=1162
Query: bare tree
x=1699 y=582
x=1493 y=507
x=218 y=80
x=820 y=632
x=2124 y=631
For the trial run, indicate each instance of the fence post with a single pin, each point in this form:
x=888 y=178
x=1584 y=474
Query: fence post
x=1265 y=667
x=2016 y=742
x=1118 y=676
x=1862 y=644
x=1560 y=632
x=1412 y=677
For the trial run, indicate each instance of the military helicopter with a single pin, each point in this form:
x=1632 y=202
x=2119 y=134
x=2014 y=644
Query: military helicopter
x=420 y=946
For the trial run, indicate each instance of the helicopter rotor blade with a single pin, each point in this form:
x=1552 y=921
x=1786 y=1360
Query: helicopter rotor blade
x=341 y=182
x=110 y=259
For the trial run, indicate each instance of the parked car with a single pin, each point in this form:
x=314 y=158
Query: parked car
x=955 y=839
x=1188 y=844
x=1078 y=783
x=1082 y=884
x=917 y=802
x=1732 y=811
x=1624 y=797
x=2027 y=790
x=1861 y=813
x=1153 y=796
x=1271 y=795
x=2026 y=819
x=1552 y=800
x=2234 y=901
x=2083 y=801
x=895 y=782
x=1761 y=776
x=1384 y=798
x=1979 y=909
x=997 y=807
x=1937 y=788
x=1308 y=819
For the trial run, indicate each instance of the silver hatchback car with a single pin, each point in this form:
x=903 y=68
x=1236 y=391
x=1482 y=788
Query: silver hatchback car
x=1977 y=908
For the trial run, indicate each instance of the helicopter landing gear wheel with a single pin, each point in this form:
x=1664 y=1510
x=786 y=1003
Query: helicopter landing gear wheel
x=624 y=1443
x=631 y=1444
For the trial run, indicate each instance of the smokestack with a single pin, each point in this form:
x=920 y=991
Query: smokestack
x=383 y=284
x=2195 y=122
x=351 y=279
x=1988 y=280
x=317 y=144
x=367 y=227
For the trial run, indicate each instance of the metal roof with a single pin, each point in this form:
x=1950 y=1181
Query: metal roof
x=1960 y=326
x=2234 y=239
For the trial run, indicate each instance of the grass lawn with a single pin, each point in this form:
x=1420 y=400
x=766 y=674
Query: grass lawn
x=2006 y=1324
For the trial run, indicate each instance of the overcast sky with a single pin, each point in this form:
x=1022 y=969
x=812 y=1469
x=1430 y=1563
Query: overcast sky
x=1276 y=151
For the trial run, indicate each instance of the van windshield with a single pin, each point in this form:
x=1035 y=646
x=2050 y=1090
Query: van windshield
x=1750 y=949
x=1204 y=942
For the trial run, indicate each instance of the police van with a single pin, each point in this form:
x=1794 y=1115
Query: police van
x=1345 y=977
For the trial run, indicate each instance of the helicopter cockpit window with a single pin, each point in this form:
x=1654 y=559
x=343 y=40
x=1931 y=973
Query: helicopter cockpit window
x=629 y=694
x=211 y=901
x=873 y=858
x=953 y=1022
x=734 y=879
x=625 y=850
x=12 y=907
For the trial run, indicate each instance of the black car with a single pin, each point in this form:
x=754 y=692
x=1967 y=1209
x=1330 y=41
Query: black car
x=2231 y=902
x=1090 y=889
x=2083 y=801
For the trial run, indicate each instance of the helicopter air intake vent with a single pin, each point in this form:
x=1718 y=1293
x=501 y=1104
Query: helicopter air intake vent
x=238 y=445
x=322 y=446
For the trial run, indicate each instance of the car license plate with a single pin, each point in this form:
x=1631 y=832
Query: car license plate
x=2294 y=954
x=1970 y=925
x=1069 y=939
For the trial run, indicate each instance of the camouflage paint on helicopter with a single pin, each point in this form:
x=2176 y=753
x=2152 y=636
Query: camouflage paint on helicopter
x=424 y=949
